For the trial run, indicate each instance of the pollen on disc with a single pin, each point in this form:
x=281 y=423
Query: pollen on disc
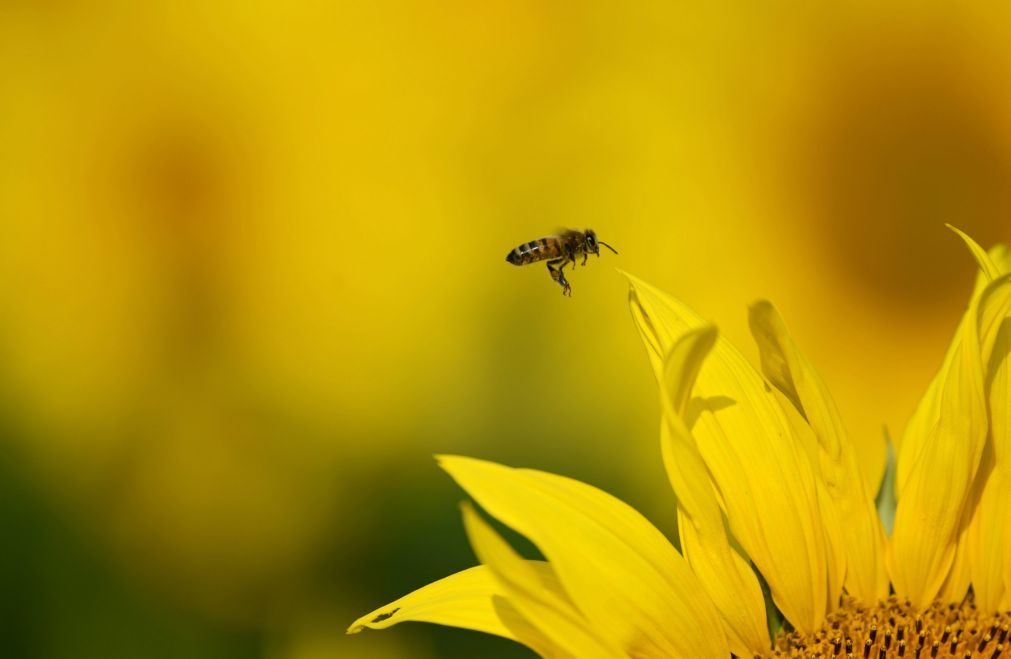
x=895 y=629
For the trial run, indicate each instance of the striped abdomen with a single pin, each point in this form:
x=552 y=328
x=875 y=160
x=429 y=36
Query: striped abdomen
x=535 y=250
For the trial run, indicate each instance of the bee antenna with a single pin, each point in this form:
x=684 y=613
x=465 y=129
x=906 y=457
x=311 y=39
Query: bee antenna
x=601 y=242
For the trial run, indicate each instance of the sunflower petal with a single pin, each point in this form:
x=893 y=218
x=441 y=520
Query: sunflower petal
x=1005 y=604
x=835 y=559
x=947 y=435
x=929 y=507
x=762 y=474
x=849 y=499
x=986 y=547
x=621 y=573
x=909 y=442
x=986 y=264
x=956 y=584
x=979 y=554
x=960 y=576
x=923 y=417
x=992 y=500
x=462 y=600
x=992 y=528
x=727 y=578
x=521 y=628
x=999 y=384
x=535 y=594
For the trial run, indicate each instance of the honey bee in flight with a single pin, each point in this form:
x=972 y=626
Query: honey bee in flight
x=560 y=250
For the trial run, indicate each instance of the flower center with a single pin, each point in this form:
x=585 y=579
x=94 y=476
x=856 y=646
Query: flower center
x=895 y=629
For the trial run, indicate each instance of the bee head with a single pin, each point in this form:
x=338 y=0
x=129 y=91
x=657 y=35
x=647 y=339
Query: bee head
x=593 y=245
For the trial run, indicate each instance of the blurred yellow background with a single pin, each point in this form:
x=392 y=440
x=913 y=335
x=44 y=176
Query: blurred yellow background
x=252 y=277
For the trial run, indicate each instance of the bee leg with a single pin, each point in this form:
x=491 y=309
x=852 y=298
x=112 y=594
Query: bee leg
x=558 y=275
x=586 y=255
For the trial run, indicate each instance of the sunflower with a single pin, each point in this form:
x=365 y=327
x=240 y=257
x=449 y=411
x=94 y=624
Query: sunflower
x=775 y=520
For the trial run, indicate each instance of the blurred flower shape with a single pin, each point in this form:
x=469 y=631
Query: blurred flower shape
x=766 y=478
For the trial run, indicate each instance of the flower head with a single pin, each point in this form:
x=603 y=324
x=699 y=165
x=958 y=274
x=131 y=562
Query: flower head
x=768 y=487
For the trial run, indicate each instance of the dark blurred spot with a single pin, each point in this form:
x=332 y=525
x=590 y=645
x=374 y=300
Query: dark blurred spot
x=178 y=176
x=181 y=175
x=187 y=182
x=905 y=138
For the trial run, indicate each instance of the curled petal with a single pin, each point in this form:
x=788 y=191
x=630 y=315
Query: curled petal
x=625 y=578
x=760 y=469
x=461 y=600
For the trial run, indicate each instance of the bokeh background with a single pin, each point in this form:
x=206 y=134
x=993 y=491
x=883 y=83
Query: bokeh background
x=252 y=277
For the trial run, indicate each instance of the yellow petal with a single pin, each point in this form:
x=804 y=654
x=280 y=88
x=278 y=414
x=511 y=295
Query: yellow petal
x=1000 y=411
x=986 y=508
x=960 y=576
x=535 y=594
x=682 y=364
x=621 y=573
x=910 y=441
x=946 y=436
x=923 y=417
x=759 y=468
x=1005 y=604
x=521 y=628
x=956 y=584
x=835 y=559
x=850 y=500
x=462 y=600
x=998 y=380
x=994 y=308
x=986 y=264
x=727 y=578
x=992 y=525
x=929 y=507
x=1001 y=257
x=986 y=548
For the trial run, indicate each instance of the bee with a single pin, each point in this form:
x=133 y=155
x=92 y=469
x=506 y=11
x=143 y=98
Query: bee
x=560 y=250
